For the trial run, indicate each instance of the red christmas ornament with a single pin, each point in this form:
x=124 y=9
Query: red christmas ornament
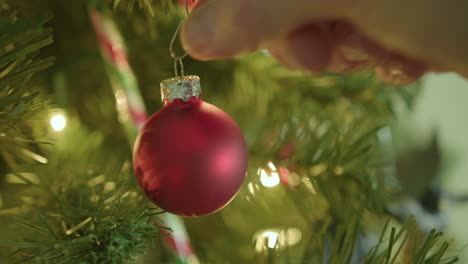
x=190 y=158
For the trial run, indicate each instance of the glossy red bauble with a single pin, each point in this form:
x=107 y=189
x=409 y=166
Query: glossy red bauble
x=190 y=158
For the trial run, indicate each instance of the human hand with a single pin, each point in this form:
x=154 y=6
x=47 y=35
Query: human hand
x=399 y=39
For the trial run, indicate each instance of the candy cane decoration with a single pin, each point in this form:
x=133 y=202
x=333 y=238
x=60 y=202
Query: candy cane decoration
x=132 y=113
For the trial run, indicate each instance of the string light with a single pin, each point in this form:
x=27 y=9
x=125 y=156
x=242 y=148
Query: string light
x=58 y=121
x=271 y=178
x=271 y=238
x=277 y=238
x=272 y=166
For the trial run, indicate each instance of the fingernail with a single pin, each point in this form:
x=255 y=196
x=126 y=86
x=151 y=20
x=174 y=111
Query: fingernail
x=198 y=31
x=310 y=49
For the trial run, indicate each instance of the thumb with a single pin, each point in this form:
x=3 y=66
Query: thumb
x=225 y=28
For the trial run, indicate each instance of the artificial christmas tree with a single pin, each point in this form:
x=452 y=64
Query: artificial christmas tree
x=318 y=185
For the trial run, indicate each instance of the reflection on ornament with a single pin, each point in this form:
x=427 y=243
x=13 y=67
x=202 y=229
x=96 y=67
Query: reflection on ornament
x=58 y=121
x=271 y=178
x=277 y=238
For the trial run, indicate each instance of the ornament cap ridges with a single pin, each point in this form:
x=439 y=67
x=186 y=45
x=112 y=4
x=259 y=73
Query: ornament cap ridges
x=183 y=87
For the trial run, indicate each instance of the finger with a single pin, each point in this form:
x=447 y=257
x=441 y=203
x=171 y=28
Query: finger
x=308 y=48
x=225 y=28
x=398 y=70
x=431 y=31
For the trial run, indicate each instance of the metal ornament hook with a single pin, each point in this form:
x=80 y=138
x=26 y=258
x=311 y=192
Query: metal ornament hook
x=178 y=64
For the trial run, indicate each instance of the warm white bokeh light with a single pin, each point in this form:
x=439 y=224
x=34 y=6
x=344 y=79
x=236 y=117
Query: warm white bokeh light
x=272 y=166
x=58 y=122
x=269 y=179
x=271 y=238
x=276 y=238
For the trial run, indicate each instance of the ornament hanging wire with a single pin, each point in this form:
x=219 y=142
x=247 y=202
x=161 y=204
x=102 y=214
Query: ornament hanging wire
x=178 y=58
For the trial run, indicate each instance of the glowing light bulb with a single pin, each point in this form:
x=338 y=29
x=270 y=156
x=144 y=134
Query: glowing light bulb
x=271 y=238
x=58 y=121
x=272 y=166
x=269 y=179
x=276 y=238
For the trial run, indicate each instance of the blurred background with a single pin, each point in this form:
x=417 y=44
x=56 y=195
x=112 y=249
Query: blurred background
x=342 y=168
x=441 y=110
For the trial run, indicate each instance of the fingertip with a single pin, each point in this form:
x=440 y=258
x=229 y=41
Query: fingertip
x=196 y=32
x=208 y=34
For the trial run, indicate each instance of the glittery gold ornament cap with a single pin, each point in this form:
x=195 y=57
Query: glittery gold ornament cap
x=182 y=87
